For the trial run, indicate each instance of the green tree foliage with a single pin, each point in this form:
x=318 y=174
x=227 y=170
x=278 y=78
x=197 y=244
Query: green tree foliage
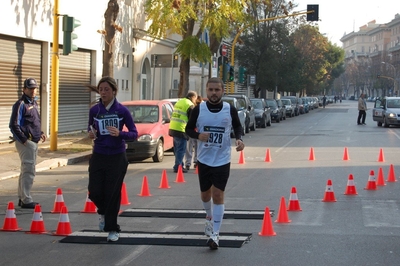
x=288 y=53
x=263 y=44
x=189 y=19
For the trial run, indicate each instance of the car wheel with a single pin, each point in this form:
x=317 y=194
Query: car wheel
x=264 y=122
x=159 y=155
x=385 y=124
x=379 y=124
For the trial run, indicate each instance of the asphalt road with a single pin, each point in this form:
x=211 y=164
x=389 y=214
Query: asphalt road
x=358 y=229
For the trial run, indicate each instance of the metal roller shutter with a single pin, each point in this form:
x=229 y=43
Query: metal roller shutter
x=74 y=98
x=20 y=59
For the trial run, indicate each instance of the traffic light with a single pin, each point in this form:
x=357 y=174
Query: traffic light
x=242 y=74
x=231 y=73
x=69 y=24
x=223 y=72
x=312 y=16
x=223 y=67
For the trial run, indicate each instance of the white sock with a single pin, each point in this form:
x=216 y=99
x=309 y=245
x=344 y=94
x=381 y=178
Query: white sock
x=218 y=211
x=208 y=209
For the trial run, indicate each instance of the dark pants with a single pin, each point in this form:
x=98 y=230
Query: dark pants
x=361 y=116
x=106 y=175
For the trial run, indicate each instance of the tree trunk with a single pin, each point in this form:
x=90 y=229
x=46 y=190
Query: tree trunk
x=184 y=69
x=108 y=55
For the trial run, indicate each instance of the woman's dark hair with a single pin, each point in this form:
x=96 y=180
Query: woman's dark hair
x=110 y=82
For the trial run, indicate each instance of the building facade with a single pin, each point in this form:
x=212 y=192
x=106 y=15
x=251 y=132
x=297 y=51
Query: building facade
x=373 y=59
x=26 y=37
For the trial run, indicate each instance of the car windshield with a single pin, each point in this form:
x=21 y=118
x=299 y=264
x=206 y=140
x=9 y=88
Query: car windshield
x=286 y=102
x=271 y=103
x=144 y=113
x=229 y=100
x=393 y=103
x=257 y=104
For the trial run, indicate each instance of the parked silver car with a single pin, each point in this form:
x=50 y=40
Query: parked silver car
x=241 y=112
x=289 y=108
x=244 y=102
x=386 y=111
x=263 y=113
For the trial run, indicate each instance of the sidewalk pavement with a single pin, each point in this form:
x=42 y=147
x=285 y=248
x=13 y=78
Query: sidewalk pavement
x=71 y=149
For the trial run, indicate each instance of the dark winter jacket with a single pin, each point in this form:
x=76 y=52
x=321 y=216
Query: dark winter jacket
x=25 y=120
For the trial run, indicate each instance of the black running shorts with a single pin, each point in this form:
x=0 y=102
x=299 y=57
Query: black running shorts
x=217 y=176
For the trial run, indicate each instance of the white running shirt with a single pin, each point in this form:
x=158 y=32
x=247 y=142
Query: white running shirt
x=217 y=150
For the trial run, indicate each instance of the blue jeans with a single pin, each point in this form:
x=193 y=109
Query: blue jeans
x=179 y=150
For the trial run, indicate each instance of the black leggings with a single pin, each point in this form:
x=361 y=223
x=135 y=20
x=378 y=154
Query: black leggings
x=106 y=175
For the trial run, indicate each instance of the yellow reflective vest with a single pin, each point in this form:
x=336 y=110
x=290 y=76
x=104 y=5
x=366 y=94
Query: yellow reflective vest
x=179 y=117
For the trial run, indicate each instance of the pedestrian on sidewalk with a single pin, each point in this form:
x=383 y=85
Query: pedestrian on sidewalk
x=362 y=108
x=179 y=118
x=108 y=163
x=213 y=120
x=25 y=127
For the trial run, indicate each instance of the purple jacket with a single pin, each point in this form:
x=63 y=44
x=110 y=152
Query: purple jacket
x=118 y=116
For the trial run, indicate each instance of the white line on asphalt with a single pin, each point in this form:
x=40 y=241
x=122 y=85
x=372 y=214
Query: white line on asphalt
x=394 y=133
x=290 y=141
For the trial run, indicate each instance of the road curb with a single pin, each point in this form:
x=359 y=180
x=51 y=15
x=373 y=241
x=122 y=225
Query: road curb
x=52 y=163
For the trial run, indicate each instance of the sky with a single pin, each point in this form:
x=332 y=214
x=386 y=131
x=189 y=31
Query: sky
x=344 y=16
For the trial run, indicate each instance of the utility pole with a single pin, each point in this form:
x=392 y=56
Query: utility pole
x=55 y=66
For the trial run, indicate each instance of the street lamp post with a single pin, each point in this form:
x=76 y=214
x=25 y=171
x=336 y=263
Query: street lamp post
x=395 y=83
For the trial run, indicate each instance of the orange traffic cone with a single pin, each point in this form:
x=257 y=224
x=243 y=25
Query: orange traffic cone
x=37 y=225
x=351 y=188
x=164 y=180
x=241 y=158
x=381 y=157
x=346 y=155
x=283 y=216
x=294 y=204
x=58 y=202
x=10 y=221
x=312 y=157
x=268 y=157
x=329 y=194
x=267 y=228
x=380 y=181
x=89 y=207
x=371 y=184
x=64 y=226
x=145 y=192
x=124 y=195
x=196 y=171
x=391 y=176
x=179 y=176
